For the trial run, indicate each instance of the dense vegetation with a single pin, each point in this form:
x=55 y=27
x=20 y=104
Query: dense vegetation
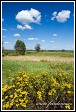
x=32 y=85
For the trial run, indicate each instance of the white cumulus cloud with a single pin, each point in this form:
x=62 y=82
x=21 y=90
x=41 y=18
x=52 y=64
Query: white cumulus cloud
x=52 y=41
x=54 y=13
x=31 y=39
x=2 y=20
x=28 y=27
x=36 y=39
x=4 y=29
x=20 y=27
x=43 y=40
x=26 y=17
x=6 y=42
x=52 y=18
x=61 y=16
x=55 y=35
x=4 y=36
x=17 y=35
x=24 y=27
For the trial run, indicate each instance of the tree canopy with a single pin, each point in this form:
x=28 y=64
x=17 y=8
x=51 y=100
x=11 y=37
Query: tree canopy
x=20 y=47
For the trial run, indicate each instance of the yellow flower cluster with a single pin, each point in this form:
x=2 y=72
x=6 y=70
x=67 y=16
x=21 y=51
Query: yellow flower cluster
x=15 y=95
x=52 y=92
x=25 y=90
x=67 y=107
x=39 y=95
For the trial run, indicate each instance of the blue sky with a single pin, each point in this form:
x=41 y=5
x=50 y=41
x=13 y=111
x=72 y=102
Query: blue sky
x=50 y=24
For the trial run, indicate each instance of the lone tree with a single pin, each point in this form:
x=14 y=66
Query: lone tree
x=37 y=47
x=63 y=50
x=20 y=47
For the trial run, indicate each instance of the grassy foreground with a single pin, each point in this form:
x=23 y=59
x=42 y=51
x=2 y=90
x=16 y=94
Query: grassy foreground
x=33 y=85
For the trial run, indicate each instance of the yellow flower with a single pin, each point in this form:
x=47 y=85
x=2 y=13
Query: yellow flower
x=11 y=104
x=18 y=90
x=23 y=104
x=21 y=85
x=6 y=97
x=60 y=75
x=68 y=86
x=11 y=96
x=69 y=92
x=17 y=105
x=31 y=87
x=15 y=95
x=26 y=101
x=13 y=85
x=18 y=83
x=7 y=105
x=24 y=92
x=39 y=95
x=20 y=79
x=4 y=106
x=9 y=87
x=52 y=92
x=16 y=100
x=20 y=95
x=24 y=75
x=67 y=107
x=3 y=100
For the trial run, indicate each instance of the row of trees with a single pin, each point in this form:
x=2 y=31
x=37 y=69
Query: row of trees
x=20 y=47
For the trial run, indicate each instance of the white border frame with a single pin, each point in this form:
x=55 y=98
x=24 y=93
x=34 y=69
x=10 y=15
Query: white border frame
x=74 y=55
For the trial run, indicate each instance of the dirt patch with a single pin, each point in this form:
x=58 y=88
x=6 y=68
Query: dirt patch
x=39 y=58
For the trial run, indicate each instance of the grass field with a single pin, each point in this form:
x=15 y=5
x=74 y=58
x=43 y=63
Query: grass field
x=10 y=68
x=43 y=53
x=35 y=82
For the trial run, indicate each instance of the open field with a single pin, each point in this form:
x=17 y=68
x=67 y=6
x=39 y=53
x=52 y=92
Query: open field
x=31 y=80
x=42 y=53
x=39 y=58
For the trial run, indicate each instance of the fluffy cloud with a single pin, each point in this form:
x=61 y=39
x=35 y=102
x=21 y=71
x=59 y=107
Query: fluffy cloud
x=54 y=13
x=4 y=29
x=28 y=27
x=55 y=35
x=36 y=39
x=61 y=16
x=20 y=27
x=43 y=40
x=17 y=35
x=31 y=39
x=6 y=42
x=4 y=36
x=26 y=17
x=52 y=18
x=2 y=20
x=52 y=41
x=24 y=27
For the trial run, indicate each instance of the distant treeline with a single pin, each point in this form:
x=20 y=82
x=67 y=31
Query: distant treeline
x=62 y=53
x=6 y=50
